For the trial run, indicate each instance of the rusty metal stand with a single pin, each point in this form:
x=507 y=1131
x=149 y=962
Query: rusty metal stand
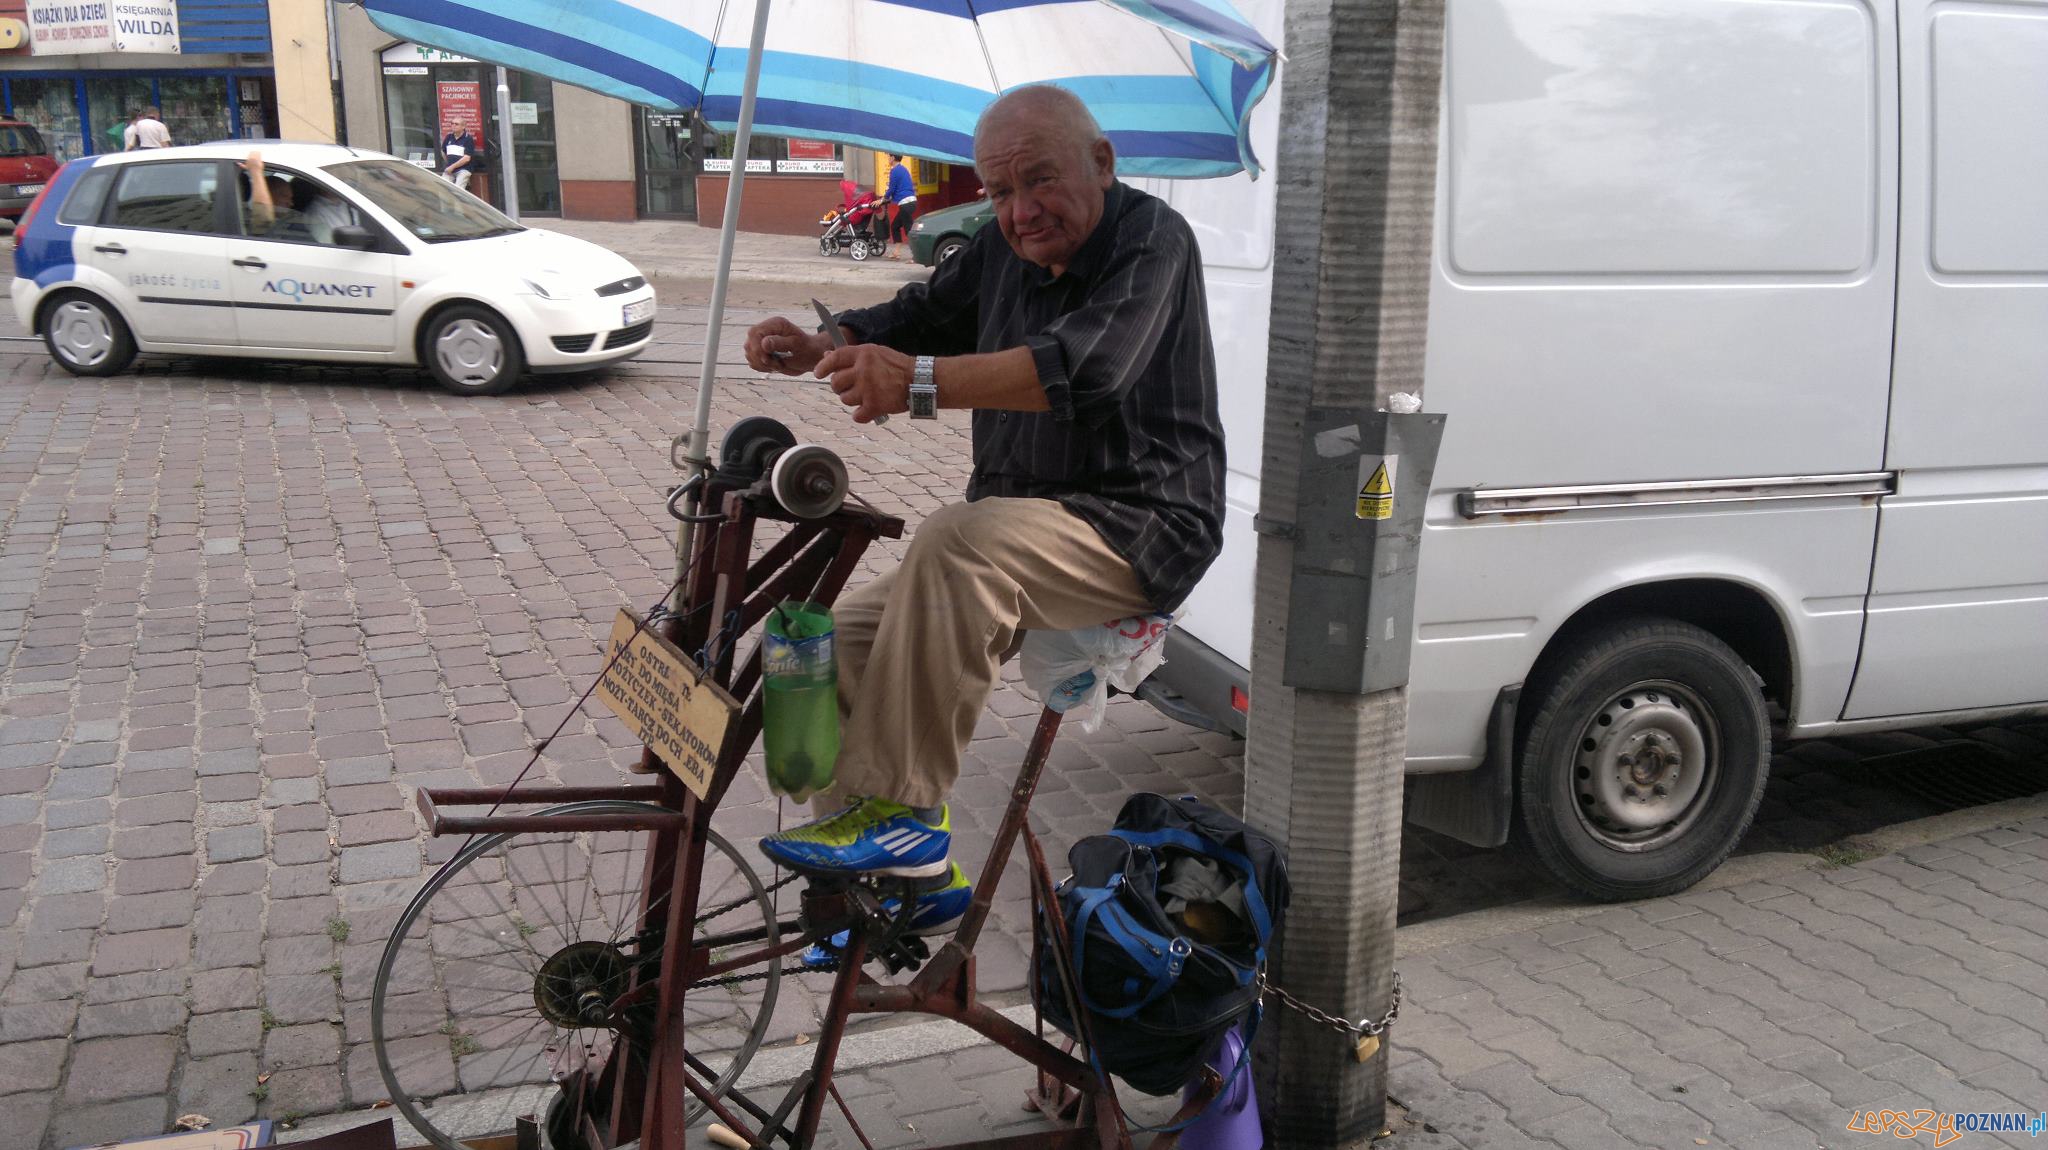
x=644 y=1086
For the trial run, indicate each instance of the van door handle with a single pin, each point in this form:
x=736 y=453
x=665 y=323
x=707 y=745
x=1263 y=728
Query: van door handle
x=250 y=263
x=111 y=249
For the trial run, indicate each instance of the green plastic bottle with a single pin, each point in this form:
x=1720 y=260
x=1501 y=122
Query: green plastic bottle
x=800 y=713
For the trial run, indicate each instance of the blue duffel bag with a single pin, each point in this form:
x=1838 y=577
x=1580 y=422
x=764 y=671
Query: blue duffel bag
x=1168 y=919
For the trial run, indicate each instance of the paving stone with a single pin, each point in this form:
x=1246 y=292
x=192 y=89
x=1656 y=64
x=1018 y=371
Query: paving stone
x=105 y=1069
x=297 y=1047
x=222 y=1087
x=37 y=1020
x=31 y=1065
x=24 y=1118
x=382 y=861
x=139 y=1016
x=234 y=844
x=71 y=876
x=230 y=988
x=227 y=1032
x=142 y=950
x=91 y=1125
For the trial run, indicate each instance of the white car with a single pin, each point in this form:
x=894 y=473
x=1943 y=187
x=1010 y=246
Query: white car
x=358 y=258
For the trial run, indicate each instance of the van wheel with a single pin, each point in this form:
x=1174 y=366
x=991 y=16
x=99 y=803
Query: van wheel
x=471 y=351
x=86 y=336
x=1644 y=761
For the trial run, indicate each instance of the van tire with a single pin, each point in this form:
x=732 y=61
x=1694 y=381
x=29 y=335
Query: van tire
x=947 y=249
x=471 y=350
x=1644 y=758
x=85 y=335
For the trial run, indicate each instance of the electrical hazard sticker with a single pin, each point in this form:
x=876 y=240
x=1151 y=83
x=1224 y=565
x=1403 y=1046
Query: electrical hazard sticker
x=1376 y=486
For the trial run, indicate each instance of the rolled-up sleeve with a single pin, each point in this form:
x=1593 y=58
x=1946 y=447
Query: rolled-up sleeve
x=1088 y=358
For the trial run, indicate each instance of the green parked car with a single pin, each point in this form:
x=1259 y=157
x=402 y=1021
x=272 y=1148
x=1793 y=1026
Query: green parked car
x=939 y=235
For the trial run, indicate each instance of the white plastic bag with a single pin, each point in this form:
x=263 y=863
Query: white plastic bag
x=1075 y=669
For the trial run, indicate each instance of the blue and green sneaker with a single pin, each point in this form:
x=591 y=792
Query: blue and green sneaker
x=938 y=911
x=873 y=836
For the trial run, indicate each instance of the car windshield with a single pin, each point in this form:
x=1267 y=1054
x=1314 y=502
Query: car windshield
x=425 y=204
x=20 y=140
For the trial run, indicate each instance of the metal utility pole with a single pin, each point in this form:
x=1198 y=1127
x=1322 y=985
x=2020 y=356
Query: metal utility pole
x=1337 y=537
x=505 y=144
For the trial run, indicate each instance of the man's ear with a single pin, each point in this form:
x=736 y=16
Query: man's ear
x=1105 y=161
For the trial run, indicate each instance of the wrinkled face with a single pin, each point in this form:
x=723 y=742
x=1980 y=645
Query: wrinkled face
x=1047 y=190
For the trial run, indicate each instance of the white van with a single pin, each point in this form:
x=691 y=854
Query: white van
x=1739 y=319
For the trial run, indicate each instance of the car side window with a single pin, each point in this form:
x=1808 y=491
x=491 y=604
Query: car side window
x=301 y=210
x=167 y=196
x=87 y=197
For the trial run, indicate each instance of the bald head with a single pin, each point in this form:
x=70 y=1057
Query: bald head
x=1050 y=112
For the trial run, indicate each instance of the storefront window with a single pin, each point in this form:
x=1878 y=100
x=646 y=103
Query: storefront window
x=51 y=105
x=533 y=142
x=669 y=161
x=762 y=152
x=110 y=101
x=195 y=108
x=414 y=124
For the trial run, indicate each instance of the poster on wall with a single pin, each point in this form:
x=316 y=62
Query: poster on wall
x=59 y=28
x=811 y=150
x=462 y=107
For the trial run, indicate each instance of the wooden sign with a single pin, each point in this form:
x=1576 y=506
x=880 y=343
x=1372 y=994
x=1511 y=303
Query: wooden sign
x=659 y=693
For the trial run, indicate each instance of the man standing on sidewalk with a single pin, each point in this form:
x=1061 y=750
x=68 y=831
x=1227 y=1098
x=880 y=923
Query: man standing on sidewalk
x=1079 y=338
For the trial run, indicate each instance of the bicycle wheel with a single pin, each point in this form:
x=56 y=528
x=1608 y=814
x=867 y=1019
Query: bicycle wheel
x=502 y=975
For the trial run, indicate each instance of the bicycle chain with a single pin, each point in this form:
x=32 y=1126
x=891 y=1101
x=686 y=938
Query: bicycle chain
x=1362 y=1029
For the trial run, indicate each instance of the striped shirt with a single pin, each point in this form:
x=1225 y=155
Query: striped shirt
x=1134 y=442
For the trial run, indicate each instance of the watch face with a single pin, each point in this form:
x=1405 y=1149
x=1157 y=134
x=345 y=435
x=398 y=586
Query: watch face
x=924 y=403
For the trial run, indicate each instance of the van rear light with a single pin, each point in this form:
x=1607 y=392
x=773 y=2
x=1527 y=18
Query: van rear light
x=1239 y=701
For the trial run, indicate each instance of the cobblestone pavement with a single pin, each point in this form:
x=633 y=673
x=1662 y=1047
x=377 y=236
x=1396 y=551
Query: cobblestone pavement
x=245 y=610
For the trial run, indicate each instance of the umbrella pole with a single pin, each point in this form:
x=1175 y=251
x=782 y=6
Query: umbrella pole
x=698 y=457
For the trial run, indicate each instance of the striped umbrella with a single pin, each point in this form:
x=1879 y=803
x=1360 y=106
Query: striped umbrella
x=1172 y=82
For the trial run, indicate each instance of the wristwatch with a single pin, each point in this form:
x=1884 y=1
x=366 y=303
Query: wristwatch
x=924 y=390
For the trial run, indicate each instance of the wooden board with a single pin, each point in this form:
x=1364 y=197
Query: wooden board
x=667 y=702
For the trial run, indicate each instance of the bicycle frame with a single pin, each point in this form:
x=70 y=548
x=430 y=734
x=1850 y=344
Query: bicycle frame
x=725 y=597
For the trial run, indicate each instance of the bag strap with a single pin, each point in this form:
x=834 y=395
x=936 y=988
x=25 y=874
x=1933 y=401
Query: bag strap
x=1163 y=968
x=1254 y=902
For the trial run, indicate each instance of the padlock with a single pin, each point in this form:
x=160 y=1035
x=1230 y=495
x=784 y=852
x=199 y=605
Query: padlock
x=1367 y=1047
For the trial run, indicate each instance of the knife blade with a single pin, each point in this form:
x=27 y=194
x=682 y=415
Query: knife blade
x=838 y=337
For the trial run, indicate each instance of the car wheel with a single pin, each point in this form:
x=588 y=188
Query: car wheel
x=86 y=336
x=1644 y=760
x=859 y=250
x=947 y=249
x=472 y=351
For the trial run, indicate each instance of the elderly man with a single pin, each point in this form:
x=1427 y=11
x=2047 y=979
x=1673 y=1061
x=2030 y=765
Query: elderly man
x=1079 y=338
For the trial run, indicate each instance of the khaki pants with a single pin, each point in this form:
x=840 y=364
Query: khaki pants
x=920 y=647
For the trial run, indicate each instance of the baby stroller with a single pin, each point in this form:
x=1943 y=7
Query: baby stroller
x=858 y=226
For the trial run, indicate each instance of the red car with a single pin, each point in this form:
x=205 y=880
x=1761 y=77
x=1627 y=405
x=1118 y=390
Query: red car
x=25 y=166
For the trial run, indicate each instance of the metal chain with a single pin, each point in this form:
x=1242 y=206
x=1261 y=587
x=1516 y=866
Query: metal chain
x=1363 y=1028
x=744 y=899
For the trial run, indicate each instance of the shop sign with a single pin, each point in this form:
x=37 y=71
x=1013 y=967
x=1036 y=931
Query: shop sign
x=811 y=150
x=523 y=113
x=57 y=28
x=717 y=165
x=811 y=167
x=462 y=107
x=421 y=54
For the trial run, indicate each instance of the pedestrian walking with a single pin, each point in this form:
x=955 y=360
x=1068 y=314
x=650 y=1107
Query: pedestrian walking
x=902 y=193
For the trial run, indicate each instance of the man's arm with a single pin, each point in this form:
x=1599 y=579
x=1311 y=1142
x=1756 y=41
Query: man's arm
x=1087 y=359
x=261 y=210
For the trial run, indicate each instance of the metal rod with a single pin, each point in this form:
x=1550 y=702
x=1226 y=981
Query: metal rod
x=513 y=824
x=699 y=450
x=505 y=143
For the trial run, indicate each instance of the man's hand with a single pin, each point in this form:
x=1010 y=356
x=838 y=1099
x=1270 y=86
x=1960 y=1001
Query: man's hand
x=779 y=345
x=871 y=379
x=254 y=166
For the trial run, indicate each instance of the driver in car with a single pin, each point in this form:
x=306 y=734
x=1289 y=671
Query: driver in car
x=281 y=208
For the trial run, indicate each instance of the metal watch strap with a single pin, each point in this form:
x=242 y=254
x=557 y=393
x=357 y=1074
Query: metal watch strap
x=924 y=390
